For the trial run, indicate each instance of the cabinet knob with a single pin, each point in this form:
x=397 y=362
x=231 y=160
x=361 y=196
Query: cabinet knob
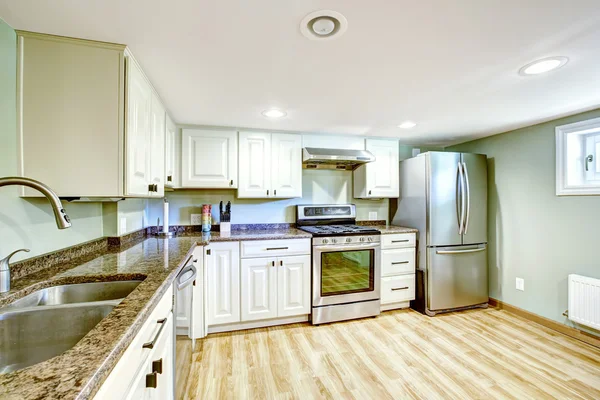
x=275 y=192
x=152 y=380
x=369 y=192
x=267 y=192
x=231 y=182
x=170 y=178
x=281 y=263
x=272 y=263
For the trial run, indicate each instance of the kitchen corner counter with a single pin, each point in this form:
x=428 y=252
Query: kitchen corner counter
x=80 y=371
x=392 y=229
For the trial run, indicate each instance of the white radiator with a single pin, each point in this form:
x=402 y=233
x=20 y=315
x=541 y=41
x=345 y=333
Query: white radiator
x=584 y=300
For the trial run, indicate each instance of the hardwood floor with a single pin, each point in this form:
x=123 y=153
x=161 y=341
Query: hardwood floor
x=479 y=354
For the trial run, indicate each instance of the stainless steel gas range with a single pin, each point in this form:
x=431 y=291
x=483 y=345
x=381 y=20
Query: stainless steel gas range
x=345 y=262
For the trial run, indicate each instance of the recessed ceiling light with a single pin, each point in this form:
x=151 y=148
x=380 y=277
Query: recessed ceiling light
x=543 y=65
x=323 y=24
x=274 y=113
x=407 y=125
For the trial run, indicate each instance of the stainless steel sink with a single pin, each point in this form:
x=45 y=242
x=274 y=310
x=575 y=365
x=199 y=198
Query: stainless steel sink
x=32 y=335
x=76 y=293
x=50 y=321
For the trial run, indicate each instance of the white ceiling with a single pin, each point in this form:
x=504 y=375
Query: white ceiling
x=450 y=66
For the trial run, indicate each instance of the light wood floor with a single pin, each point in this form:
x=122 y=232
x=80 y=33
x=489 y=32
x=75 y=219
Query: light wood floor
x=479 y=354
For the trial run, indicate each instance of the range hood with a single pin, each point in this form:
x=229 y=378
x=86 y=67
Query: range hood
x=345 y=160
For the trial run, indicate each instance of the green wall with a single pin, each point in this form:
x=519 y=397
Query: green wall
x=534 y=234
x=30 y=223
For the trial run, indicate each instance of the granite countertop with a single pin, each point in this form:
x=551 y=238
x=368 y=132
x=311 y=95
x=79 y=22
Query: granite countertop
x=79 y=372
x=391 y=229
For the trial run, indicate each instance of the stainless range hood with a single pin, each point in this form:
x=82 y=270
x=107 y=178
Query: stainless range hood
x=345 y=160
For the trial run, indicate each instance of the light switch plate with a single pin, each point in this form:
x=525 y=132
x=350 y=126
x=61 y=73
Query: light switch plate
x=196 y=219
x=372 y=215
x=520 y=284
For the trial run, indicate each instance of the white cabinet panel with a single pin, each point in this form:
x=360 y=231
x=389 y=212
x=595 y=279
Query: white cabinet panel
x=398 y=261
x=275 y=248
x=255 y=165
x=209 y=159
x=223 y=285
x=380 y=178
x=172 y=155
x=139 y=101
x=398 y=240
x=259 y=288
x=157 y=147
x=293 y=274
x=286 y=164
x=396 y=289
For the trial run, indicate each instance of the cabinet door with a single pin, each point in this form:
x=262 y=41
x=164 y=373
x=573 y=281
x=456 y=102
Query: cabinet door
x=259 y=288
x=209 y=159
x=172 y=148
x=293 y=275
x=286 y=164
x=383 y=174
x=223 y=269
x=137 y=156
x=255 y=165
x=157 y=146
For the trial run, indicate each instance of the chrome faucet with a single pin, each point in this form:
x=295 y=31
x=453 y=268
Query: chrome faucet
x=62 y=220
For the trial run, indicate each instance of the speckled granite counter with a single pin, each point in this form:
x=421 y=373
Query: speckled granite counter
x=79 y=372
x=391 y=229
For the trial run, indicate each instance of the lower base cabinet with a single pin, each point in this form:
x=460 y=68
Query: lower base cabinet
x=146 y=370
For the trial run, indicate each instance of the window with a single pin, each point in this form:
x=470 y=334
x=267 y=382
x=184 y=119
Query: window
x=577 y=158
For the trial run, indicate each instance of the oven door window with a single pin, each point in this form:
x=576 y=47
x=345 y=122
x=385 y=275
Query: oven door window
x=344 y=272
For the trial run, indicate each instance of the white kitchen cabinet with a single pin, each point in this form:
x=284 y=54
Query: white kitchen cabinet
x=223 y=282
x=133 y=375
x=398 y=270
x=270 y=165
x=380 y=178
x=286 y=165
x=293 y=285
x=255 y=165
x=209 y=159
x=259 y=288
x=172 y=155
x=109 y=146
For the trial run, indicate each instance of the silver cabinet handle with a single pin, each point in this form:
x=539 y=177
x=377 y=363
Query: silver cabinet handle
x=400 y=241
x=588 y=160
x=462 y=199
x=400 y=262
x=468 y=188
x=277 y=248
x=460 y=251
x=400 y=288
x=150 y=345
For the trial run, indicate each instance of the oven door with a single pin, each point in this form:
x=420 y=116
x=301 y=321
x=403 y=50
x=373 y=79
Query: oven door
x=346 y=273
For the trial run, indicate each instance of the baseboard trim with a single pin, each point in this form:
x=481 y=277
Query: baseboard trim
x=257 y=324
x=548 y=323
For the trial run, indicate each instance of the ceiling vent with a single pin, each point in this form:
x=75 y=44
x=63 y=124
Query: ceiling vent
x=323 y=25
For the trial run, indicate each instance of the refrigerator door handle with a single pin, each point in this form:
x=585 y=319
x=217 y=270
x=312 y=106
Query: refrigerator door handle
x=460 y=251
x=461 y=219
x=468 y=188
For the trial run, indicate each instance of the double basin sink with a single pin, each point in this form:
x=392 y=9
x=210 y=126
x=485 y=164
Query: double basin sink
x=50 y=321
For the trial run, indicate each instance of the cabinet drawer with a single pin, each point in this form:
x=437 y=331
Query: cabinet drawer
x=398 y=261
x=398 y=240
x=395 y=289
x=275 y=248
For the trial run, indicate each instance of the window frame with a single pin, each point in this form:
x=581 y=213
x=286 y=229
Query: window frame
x=562 y=132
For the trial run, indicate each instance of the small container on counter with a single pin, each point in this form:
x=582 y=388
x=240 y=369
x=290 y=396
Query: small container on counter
x=206 y=217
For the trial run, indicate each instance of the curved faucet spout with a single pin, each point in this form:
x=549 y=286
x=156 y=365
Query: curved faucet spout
x=62 y=219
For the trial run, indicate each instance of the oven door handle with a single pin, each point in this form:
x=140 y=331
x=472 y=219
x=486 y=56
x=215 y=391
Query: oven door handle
x=348 y=247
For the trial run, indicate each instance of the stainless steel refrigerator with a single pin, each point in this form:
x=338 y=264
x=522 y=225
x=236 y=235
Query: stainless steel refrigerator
x=444 y=196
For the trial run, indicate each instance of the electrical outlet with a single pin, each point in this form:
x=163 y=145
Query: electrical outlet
x=196 y=219
x=372 y=215
x=520 y=284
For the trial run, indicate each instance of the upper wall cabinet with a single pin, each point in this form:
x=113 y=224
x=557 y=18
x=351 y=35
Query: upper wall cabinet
x=380 y=178
x=172 y=155
x=90 y=123
x=209 y=159
x=270 y=165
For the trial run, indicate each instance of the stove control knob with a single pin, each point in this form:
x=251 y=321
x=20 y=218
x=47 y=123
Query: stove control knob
x=333 y=241
x=362 y=239
x=370 y=239
x=325 y=241
x=348 y=240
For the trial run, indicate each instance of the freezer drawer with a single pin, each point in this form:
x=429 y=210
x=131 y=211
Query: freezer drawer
x=457 y=276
